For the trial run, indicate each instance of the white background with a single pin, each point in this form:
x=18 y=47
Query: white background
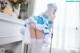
x=65 y=23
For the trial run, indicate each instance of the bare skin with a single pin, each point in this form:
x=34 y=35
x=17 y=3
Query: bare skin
x=39 y=33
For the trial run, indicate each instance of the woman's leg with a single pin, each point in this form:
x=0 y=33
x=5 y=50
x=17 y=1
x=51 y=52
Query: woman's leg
x=37 y=39
x=37 y=45
x=33 y=50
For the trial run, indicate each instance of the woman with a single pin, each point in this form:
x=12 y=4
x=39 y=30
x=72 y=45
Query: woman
x=41 y=28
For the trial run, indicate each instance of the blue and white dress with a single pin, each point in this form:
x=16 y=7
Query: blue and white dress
x=41 y=22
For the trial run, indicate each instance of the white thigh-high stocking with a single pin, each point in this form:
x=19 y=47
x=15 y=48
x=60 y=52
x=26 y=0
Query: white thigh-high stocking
x=37 y=45
x=33 y=50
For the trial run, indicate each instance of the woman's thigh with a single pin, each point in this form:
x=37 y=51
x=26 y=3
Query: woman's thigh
x=38 y=34
x=32 y=31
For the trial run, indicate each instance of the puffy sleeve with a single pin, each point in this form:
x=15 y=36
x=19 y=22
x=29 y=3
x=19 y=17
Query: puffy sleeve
x=23 y=28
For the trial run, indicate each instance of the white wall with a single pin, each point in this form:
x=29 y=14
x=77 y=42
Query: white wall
x=40 y=6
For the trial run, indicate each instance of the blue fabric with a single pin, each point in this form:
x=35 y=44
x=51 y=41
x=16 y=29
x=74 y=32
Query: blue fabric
x=50 y=22
x=25 y=25
x=46 y=33
x=40 y=20
x=46 y=27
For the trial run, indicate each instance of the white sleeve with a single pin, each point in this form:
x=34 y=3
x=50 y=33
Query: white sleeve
x=24 y=26
x=30 y=20
x=22 y=30
x=27 y=21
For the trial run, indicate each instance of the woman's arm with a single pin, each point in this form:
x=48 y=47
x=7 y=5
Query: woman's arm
x=51 y=19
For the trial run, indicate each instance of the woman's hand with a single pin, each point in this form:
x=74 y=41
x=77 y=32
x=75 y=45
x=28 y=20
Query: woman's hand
x=52 y=16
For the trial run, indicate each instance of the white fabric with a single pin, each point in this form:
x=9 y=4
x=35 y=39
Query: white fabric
x=22 y=31
x=37 y=45
x=46 y=41
x=39 y=26
x=30 y=20
x=26 y=37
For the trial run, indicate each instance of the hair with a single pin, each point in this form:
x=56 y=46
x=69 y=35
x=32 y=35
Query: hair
x=3 y=5
x=52 y=6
